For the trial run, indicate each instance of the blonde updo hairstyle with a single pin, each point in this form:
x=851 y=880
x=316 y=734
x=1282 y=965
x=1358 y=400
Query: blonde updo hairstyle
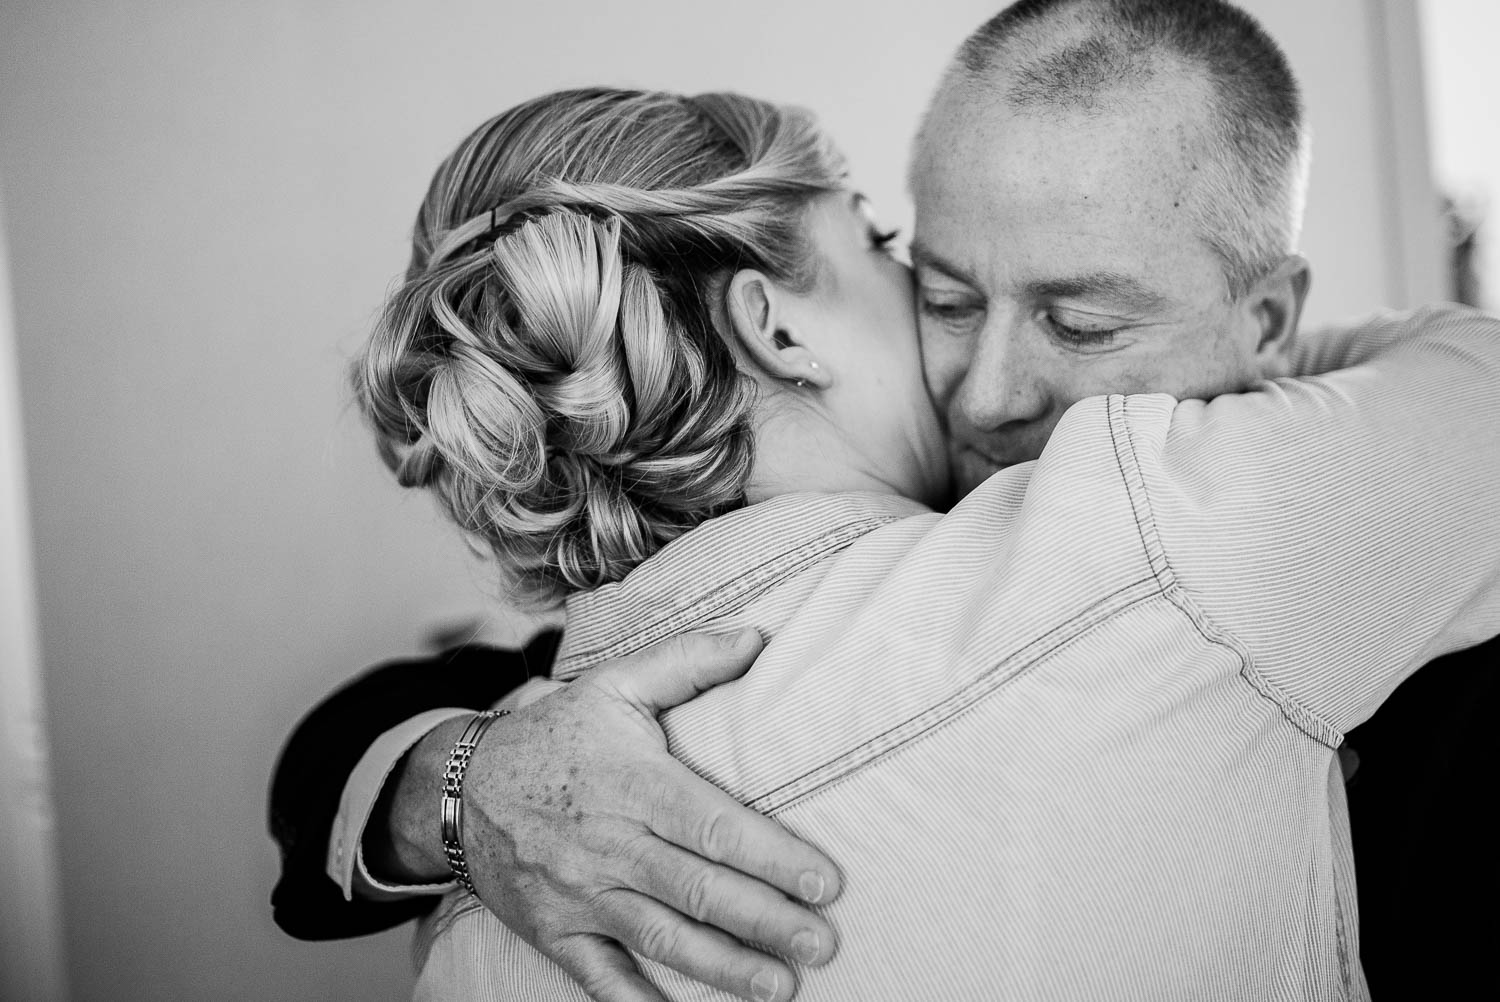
x=551 y=366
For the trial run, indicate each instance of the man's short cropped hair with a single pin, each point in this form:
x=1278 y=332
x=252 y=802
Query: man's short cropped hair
x=1253 y=181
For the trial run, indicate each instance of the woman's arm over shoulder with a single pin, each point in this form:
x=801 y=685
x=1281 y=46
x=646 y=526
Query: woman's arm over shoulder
x=1338 y=346
x=1341 y=526
x=323 y=750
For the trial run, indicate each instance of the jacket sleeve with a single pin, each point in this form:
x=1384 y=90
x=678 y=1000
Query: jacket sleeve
x=323 y=749
x=1339 y=529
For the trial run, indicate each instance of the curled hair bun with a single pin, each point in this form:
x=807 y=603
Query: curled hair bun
x=565 y=422
x=560 y=383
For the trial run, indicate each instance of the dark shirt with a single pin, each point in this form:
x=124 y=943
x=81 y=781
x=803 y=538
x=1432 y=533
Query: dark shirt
x=326 y=746
x=1426 y=862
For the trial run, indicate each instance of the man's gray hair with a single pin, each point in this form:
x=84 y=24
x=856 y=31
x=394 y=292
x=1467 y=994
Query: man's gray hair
x=1253 y=183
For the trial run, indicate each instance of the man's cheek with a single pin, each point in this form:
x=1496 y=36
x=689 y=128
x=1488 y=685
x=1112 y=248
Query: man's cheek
x=1178 y=371
x=1198 y=364
x=1201 y=377
x=943 y=368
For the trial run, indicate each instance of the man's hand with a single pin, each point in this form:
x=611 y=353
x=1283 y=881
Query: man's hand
x=584 y=835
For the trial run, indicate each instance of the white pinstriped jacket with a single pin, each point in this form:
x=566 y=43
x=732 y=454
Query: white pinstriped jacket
x=1076 y=738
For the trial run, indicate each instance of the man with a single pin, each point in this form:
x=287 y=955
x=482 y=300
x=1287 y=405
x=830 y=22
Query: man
x=1107 y=200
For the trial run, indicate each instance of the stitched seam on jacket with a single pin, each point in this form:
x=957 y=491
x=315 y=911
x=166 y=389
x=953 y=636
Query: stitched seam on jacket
x=731 y=595
x=1011 y=667
x=1297 y=715
x=430 y=929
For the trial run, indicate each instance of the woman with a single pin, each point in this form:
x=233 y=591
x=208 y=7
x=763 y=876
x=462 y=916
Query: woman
x=653 y=355
x=628 y=313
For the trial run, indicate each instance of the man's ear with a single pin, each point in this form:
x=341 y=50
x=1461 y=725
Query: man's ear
x=765 y=322
x=1276 y=308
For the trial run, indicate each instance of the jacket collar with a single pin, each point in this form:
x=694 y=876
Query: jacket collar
x=712 y=570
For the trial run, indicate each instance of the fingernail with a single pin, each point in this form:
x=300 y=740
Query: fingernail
x=805 y=946
x=763 y=986
x=812 y=887
x=731 y=641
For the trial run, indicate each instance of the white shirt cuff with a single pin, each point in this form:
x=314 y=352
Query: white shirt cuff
x=346 y=864
x=346 y=858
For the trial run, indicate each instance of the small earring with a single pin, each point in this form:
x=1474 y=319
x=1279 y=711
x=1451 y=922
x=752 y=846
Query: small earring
x=812 y=365
x=799 y=382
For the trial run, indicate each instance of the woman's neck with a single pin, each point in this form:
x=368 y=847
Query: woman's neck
x=798 y=450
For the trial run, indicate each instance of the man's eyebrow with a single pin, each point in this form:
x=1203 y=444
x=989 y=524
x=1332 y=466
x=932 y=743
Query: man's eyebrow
x=1111 y=285
x=924 y=257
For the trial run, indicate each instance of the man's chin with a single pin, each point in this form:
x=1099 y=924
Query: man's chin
x=970 y=469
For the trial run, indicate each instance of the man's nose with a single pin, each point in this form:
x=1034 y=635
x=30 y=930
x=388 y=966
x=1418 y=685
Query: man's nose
x=1004 y=384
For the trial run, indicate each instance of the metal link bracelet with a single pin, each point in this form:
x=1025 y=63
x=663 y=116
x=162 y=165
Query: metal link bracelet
x=453 y=794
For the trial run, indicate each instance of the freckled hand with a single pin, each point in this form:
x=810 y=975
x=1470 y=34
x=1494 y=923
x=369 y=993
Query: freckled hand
x=586 y=837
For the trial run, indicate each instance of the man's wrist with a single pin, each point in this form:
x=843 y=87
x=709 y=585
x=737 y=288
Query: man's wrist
x=403 y=841
x=453 y=794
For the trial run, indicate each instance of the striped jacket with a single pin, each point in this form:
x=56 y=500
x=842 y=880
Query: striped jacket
x=1076 y=739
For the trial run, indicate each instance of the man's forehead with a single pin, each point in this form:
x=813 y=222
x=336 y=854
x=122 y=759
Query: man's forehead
x=1046 y=222
x=1020 y=197
x=1164 y=120
x=974 y=139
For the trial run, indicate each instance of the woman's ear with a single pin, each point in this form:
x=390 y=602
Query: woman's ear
x=765 y=320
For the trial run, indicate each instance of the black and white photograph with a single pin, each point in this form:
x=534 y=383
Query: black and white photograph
x=834 y=500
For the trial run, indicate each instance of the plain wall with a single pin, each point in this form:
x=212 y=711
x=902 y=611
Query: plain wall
x=31 y=956
x=1371 y=228
x=1458 y=39
x=205 y=204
